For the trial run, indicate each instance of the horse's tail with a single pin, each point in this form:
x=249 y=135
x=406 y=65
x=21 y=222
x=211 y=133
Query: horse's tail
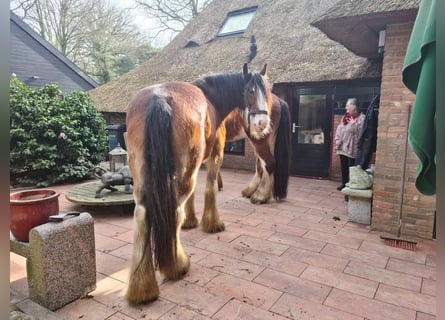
x=159 y=190
x=282 y=153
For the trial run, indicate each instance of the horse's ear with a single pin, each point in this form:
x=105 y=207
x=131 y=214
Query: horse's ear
x=264 y=70
x=245 y=70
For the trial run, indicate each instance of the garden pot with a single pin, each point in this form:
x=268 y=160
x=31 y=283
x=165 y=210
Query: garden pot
x=31 y=208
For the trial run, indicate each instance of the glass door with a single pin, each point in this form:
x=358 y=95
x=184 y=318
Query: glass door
x=311 y=130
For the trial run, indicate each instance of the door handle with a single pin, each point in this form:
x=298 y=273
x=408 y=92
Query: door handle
x=294 y=126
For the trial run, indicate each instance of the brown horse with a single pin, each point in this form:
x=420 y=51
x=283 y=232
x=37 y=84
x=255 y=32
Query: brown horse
x=272 y=152
x=171 y=130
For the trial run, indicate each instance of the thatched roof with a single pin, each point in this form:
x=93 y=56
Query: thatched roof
x=356 y=24
x=294 y=50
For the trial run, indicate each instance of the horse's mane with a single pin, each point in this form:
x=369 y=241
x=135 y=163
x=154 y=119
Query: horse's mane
x=224 y=90
x=258 y=81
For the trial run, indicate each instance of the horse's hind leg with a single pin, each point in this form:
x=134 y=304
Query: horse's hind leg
x=142 y=286
x=182 y=261
x=266 y=162
x=190 y=214
x=254 y=183
x=181 y=265
x=264 y=190
x=220 y=181
x=210 y=219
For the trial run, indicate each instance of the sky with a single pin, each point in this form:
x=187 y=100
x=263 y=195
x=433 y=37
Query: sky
x=145 y=24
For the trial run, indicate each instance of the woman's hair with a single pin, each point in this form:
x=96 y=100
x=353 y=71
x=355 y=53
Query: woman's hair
x=354 y=102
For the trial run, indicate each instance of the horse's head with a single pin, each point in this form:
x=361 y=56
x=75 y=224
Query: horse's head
x=258 y=102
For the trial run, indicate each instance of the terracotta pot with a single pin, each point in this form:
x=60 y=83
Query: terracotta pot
x=31 y=208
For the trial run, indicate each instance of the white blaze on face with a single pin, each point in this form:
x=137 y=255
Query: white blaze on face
x=259 y=123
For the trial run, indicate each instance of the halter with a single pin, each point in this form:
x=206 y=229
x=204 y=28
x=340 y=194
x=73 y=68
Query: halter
x=251 y=112
x=256 y=83
x=255 y=112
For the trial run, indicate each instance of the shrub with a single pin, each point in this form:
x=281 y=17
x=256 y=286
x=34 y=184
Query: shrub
x=53 y=138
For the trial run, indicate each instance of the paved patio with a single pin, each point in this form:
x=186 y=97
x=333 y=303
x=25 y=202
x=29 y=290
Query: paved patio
x=298 y=259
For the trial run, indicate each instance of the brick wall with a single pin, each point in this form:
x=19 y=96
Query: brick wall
x=395 y=162
x=243 y=162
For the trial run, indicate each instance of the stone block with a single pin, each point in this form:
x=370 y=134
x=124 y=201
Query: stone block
x=61 y=264
x=19 y=247
x=359 y=205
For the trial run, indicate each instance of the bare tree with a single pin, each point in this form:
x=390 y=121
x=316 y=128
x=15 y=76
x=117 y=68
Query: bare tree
x=112 y=38
x=172 y=15
x=23 y=5
x=95 y=35
x=57 y=21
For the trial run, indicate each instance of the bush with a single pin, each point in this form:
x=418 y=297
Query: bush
x=53 y=138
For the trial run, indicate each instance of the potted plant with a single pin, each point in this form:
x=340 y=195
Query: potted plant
x=30 y=208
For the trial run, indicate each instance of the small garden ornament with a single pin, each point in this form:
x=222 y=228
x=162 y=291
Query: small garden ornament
x=111 y=179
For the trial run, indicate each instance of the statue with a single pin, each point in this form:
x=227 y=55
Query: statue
x=111 y=179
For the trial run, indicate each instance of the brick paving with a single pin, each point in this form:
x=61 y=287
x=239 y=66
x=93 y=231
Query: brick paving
x=289 y=260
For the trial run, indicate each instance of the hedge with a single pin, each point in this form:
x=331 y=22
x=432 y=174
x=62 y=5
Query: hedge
x=54 y=138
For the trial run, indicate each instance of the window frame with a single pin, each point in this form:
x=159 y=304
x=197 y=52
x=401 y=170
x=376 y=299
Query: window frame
x=235 y=14
x=234 y=143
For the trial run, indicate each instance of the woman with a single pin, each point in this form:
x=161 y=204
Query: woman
x=346 y=137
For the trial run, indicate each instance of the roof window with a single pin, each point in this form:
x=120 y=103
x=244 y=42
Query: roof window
x=237 y=22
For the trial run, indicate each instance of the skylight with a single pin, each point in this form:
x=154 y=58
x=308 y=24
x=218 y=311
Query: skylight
x=237 y=21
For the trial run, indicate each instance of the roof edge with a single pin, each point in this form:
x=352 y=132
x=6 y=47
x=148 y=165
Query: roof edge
x=359 y=33
x=53 y=50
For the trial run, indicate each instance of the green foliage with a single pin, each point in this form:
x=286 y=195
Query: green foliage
x=53 y=138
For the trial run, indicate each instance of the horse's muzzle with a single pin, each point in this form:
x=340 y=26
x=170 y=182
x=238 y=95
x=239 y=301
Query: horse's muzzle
x=259 y=125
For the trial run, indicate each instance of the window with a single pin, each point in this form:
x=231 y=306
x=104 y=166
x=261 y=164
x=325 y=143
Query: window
x=235 y=147
x=237 y=21
x=311 y=118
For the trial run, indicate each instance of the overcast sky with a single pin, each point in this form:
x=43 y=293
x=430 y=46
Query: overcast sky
x=145 y=24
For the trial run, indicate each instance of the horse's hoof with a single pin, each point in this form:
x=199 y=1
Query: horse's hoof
x=213 y=228
x=178 y=272
x=146 y=298
x=190 y=223
x=258 y=200
x=246 y=194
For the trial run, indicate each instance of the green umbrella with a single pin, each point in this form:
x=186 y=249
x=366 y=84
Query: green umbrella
x=418 y=75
